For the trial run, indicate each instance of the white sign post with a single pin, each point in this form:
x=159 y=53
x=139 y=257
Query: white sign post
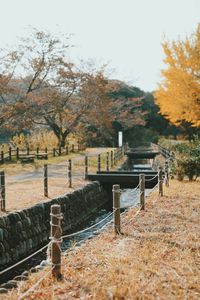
x=120 y=139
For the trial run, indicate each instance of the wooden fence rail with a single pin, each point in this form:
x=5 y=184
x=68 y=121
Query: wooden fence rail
x=38 y=153
x=75 y=169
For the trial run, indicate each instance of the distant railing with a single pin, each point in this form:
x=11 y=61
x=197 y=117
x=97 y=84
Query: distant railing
x=28 y=155
x=58 y=176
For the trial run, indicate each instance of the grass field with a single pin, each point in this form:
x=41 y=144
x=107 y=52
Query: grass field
x=156 y=257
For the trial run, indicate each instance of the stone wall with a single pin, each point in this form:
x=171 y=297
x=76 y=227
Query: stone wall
x=25 y=231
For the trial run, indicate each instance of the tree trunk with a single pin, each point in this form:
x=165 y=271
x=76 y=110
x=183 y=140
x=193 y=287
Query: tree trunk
x=62 y=138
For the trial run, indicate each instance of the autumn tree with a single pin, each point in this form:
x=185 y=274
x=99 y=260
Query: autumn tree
x=48 y=90
x=178 y=95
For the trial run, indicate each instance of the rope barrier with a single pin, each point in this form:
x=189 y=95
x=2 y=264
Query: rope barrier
x=23 y=260
x=137 y=212
x=58 y=241
x=121 y=190
x=21 y=296
x=88 y=228
x=152 y=189
x=151 y=178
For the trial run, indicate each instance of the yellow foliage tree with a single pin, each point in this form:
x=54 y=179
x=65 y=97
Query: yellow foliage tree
x=178 y=95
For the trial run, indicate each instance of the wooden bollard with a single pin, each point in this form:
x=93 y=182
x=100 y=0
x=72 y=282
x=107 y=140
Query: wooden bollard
x=17 y=153
x=10 y=153
x=2 y=157
x=99 y=162
x=59 y=151
x=111 y=159
x=166 y=174
x=37 y=150
x=45 y=180
x=3 y=191
x=117 y=154
x=69 y=173
x=107 y=161
x=72 y=148
x=122 y=150
x=116 y=208
x=160 y=181
x=54 y=152
x=126 y=147
x=56 y=234
x=86 y=167
x=142 y=191
x=114 y=157
x=120 y=153
x=27 y=151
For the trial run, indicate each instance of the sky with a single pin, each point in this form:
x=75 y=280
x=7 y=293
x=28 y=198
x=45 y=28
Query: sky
x=125 y=34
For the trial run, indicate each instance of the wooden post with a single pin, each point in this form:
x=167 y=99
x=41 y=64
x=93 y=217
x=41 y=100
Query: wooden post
x=107 y=161
x=142 y=191
x=126 y=146
x=45 y=180
x=27 y=151
x=37 y=150
x=160 y=181
x=114 y=158
x=3 y=191
x=116 y=208
x=70 y=173
x=17 y=153
x=46 y=151
x=166 y=174
x=120 y=152
x=56 y=234
x=10 y=153
x=59 y=151
x=72 y=148
x=99 y=162
x=111 y=159
x=86 y=167
x=66 y=150
x=117 y=155
x=2 y=157
x=54 y=152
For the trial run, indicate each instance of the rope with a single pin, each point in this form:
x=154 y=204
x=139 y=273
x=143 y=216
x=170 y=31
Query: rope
x=21 y=296
x=151 y=178
x=153 y=189
x=86 y=229
x=132 y=190
x=21 y=261
x=137 y=212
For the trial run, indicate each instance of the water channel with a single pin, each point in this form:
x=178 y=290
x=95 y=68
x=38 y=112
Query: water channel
x=129 y=198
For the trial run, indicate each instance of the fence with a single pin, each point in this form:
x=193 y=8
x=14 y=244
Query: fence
x=28 y=155
x=54 y=251
x=169 y=157
x=53 y=179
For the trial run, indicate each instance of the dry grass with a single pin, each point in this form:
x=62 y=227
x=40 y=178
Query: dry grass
x=157 y=257
x=27 y=192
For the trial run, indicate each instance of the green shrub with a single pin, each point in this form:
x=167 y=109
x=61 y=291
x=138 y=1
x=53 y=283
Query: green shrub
x=187 y=161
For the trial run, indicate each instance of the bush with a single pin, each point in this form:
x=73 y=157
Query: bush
x=187 y=162
x=39 y=139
